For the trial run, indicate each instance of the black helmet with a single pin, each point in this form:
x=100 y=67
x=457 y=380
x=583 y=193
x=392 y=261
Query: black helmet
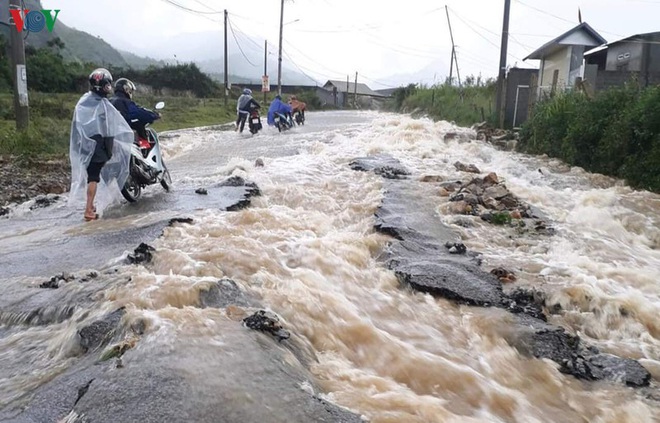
x=126 y=86
x=100 y=81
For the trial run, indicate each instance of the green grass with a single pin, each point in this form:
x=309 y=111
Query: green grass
x=466 y=106
x=50 y=120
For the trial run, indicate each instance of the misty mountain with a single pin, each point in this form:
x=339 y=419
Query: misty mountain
x=245 y=58
x=435 y=72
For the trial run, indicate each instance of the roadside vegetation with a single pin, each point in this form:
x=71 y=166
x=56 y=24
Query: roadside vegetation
x=616 y=133
x=472 y=102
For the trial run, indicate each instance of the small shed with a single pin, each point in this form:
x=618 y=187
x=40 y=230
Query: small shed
x=564 y=56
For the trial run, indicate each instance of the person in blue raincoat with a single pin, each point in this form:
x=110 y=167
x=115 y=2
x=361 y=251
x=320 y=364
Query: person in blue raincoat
x=278 y=107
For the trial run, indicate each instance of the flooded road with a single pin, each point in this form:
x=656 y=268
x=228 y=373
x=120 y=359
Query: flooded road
x=306 y=249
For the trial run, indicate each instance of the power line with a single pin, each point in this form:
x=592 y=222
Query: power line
x=200 y=12
x=363 y=27
x=238 y=29
x=300 y=68
x=239 y=44
x=481 y=35
x=189 y=11
x=560 y=18
x=206 y=6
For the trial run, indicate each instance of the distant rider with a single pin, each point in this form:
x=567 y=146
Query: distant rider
x=297 y=106
x=136 y=116
x=244 y=106
x=280 y=108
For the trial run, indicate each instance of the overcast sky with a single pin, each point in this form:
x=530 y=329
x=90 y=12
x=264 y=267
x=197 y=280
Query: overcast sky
x=333 y=38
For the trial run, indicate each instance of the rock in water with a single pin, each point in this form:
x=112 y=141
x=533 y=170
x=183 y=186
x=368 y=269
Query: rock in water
x=266 y=322
x=142 y=254
x=201 y=191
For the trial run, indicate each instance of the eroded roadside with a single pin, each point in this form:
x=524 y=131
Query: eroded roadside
x=107 y=359
x=427 y=256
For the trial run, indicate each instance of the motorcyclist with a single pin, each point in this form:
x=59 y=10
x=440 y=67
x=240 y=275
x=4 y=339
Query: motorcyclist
x=280 y=108
x=244 y=106
x=100 y=145
x=297 y=106
x=136 y=116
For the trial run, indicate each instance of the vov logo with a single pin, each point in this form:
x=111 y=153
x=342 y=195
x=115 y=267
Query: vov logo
x=33 y=20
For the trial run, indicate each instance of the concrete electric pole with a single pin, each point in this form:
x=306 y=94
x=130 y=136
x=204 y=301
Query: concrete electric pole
x=19 y=73
x=279 y=56
x=502 y=72
x=226 y=65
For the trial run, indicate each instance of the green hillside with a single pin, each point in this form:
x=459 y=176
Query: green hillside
x=80 y=46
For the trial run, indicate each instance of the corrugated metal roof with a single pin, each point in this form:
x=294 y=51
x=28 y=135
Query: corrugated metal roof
x=362 y=89
x=552 y=45
x=638 y=38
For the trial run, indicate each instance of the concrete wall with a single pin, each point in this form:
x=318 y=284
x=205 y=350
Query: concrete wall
x=609 y=79
x=560 y=60
x=625 y=56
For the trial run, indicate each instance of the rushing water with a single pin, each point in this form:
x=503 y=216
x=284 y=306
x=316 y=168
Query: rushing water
x=307 y=249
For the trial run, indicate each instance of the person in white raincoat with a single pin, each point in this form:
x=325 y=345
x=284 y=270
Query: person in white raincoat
x=100 y=148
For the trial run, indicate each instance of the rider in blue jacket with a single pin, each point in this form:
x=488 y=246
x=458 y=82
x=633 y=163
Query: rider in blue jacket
x=278 y=107
x=135 y=115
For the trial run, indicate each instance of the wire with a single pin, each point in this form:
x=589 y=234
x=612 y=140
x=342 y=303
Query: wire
x=560 y=18
x=200 y=12
x=364 y=27
x=300 y=68
x=191 y=12
x=239 y=44
x=245 y=34
x=312 y=60
x=483 y=36
x=208 y=7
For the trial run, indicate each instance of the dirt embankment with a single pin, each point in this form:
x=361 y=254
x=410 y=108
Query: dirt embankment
x=22 y=179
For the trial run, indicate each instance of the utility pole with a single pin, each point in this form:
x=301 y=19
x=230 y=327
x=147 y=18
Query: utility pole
x=19 y=73
x=502 y=73
x=355 y=92
x=226 y=67
x=451 y=67
x=265 y=67
x=279 y=56
x=453 y=48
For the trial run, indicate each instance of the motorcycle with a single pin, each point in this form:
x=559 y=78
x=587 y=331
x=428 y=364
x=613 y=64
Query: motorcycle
x=299 y=118
x=282 y=122
x=254 y=121
x=146 y=166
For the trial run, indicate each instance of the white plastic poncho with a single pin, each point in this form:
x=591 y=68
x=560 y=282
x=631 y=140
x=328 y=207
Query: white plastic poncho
x=93 y=116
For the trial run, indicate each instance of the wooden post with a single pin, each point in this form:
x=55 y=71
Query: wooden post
x=555 y=80
x=355 y=92
x=334 y=94
x=502 y=110
x=348 y=90
x=533 y=87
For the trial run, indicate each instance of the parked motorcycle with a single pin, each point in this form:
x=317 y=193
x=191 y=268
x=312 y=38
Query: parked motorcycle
x=254 y=122
x=147 y=166
x=283 y=122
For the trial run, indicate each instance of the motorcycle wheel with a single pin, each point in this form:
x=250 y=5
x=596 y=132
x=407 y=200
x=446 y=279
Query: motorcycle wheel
x=166 y=182
x=132 y=190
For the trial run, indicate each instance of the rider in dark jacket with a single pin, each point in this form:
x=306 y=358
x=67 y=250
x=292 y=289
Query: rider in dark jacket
x=136 y=116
